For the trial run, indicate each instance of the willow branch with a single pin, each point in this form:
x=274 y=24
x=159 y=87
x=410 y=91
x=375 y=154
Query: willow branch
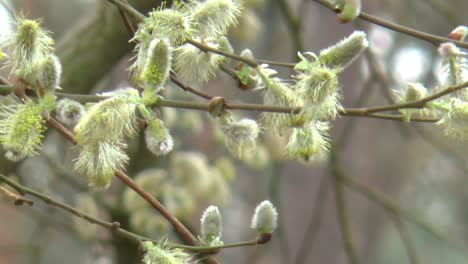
x=200 y=106
x=433 y=39
x=418 y=103
x=128 y=9
x=179 y=227
x=17 y=199
x=114 y=226
x=189 y=88
x=261 y=239
x=206 y=48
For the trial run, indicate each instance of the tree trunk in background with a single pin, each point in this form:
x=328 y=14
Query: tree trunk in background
x=94 y=46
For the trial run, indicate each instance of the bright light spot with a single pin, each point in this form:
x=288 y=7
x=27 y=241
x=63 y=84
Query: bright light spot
x=381 y=40
x=410 y=64
x=5 y=26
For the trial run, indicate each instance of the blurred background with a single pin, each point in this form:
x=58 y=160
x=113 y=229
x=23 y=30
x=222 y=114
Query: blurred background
x=409 y=164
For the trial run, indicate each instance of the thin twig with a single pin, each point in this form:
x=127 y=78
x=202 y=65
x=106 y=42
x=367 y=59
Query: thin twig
x=359 y=112
x=315 y=222
x=275 y=193
x=433 y=39
x=342 y=214
x=406 y=238
x=189 y=88
x=115 y=227
x=128 y=9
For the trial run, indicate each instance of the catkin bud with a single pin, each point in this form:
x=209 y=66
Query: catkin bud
x=111 y=119
x=248 y=76
x=99 y=161
x=161 y=254
x=194 y=65
x=100 y=134
x=342 y=54
x=211 y=226
x=459 y=33
x=158 y=64
x=69 y=111
x=265 y=218
x=454 y=70
x=241 y=136
x=50 y=73
x=211 y=18
x=29 y=46
x=21 y=128
x=171 y=23
x=412 y=92
x=455 y=122
x=158 y=139
x=276 y=92
x=318 y=87
x=350 y=9
x=308 y=140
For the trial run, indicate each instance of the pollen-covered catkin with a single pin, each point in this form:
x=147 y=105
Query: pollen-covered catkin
x=29 y=46
x=21 y=128
x=158 y=64
x=212 y=18
x=455 y=122
x=161 y=254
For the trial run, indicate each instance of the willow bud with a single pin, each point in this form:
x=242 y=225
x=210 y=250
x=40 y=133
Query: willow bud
x=241 y=136
x=459 y=33
x=51 y=72
x=350 y=9
x=211 y=226
x=265 y=218
x=342 y=54
x=69 y=111
x=158 y=139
